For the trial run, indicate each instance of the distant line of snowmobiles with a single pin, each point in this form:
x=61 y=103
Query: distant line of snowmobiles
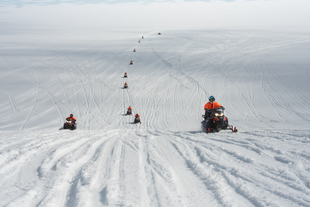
x=214 y=120
x=129 y=110
x=137 y=116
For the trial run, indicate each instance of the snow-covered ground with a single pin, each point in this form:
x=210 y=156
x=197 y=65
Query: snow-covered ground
x=139 y=166
x=260 y=76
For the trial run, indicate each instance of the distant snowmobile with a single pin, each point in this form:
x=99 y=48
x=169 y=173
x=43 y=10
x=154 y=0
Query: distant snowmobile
x=129 y=111
x=125 y=75
x=131 y=62
x=125 y=85
x=159 y=33
x=218 y=121
x=142 y=37
x=69 y=124
x=139 y=41
x=134 y=50
x=137 y=119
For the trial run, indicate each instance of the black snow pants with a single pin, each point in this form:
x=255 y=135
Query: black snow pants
x=208 y=120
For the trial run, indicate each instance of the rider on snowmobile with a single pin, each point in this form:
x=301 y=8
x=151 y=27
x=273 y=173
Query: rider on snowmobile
x=70 y=123
x=212 y=104
x=137 y=118
x=72 y=118
x=129 y=110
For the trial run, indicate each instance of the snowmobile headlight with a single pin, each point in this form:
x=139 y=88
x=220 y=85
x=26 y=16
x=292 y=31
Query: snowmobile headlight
x=219 y=114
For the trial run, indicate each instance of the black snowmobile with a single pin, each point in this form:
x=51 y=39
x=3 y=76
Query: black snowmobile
x=218 y=121
x=69 y=124
x=137 y=120
x=129 y=112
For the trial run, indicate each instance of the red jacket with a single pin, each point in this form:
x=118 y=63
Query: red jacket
x=137 y=115
x=213 y=105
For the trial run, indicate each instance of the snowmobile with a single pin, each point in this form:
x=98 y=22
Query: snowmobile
x=218 y=121
x=131 y=62
x=134 y=50
x=125 y=75
x=137 y=120
x=125 y=85
x=69 y=124
x=142 y=37
x=159 y=33
x=129 y=112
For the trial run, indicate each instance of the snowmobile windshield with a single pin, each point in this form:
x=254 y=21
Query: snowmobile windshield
x=219 y=112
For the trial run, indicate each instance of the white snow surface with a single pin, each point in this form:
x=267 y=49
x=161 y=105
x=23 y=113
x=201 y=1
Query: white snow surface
x=260 y=76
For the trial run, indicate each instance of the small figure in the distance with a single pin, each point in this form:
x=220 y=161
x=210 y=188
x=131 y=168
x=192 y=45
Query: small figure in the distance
x=125 y=85
x=70 y=123
x=125 y=75
x=137 y=119
x=129 y=111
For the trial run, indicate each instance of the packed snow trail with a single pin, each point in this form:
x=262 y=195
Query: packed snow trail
x=135 y=167
x=260 y=77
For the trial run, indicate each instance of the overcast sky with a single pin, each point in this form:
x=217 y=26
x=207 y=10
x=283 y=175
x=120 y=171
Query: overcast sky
x=157 y=13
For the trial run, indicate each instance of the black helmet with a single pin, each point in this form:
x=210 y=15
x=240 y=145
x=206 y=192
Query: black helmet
x=71 y=115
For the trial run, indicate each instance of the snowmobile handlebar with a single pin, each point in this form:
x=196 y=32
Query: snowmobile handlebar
x=211 y=113
x=222 y=107
x=72 y=120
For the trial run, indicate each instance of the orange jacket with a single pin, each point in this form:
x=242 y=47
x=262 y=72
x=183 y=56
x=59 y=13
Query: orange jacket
x=137 y=115
x=130 y=108
x=73 y=119
x=213 y=105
